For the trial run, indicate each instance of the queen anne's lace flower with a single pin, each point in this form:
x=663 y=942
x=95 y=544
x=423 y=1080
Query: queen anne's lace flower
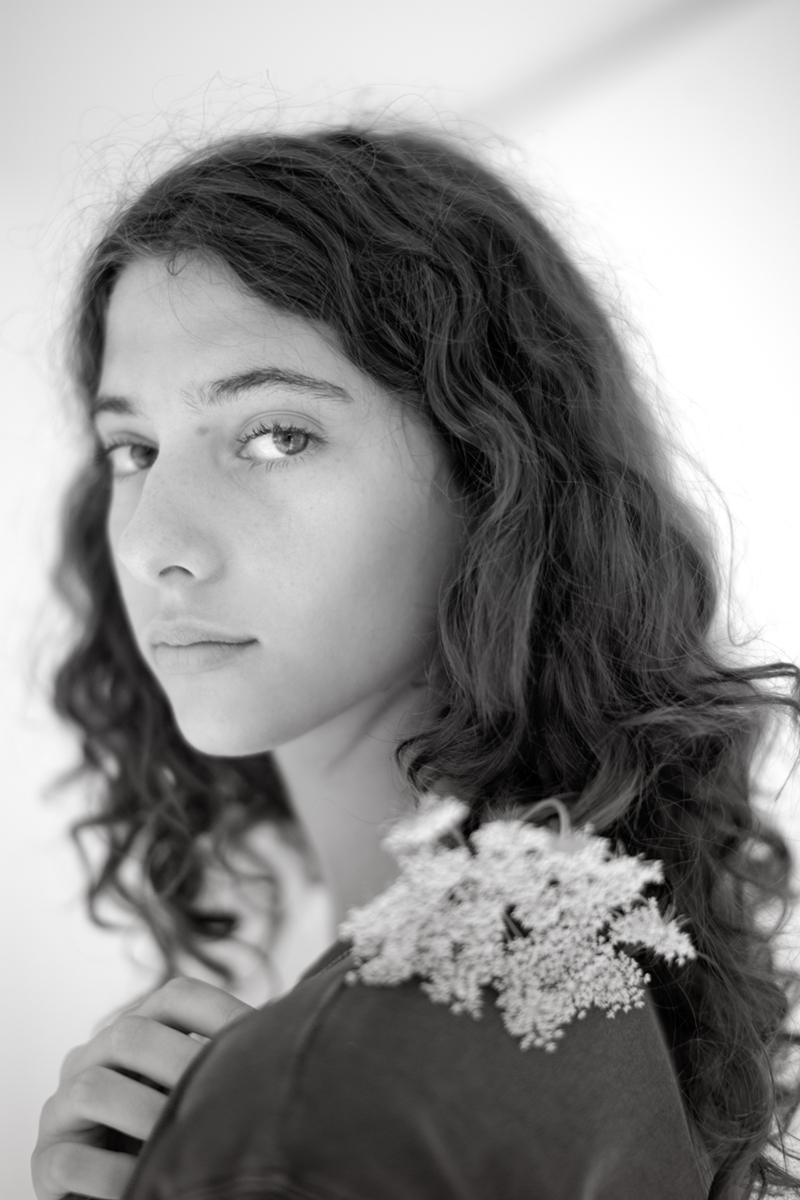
x=539 y=917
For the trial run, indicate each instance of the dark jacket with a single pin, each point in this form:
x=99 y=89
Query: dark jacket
x=340 y=1092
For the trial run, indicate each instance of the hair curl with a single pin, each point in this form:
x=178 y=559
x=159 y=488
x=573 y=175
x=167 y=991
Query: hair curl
x=578 y=656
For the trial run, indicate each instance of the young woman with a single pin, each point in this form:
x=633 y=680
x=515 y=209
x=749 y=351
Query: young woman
x=378 y=514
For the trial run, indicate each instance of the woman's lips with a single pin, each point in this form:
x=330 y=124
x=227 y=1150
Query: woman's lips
x=199 y=656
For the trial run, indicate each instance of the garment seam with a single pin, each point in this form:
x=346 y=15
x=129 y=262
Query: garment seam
x=302 y=1048
x=250 y=1187
x=339 y=958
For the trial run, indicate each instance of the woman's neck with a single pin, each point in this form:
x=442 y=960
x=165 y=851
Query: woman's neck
x=346 y=790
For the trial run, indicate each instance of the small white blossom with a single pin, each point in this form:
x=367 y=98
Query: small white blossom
x=435 y=819
x=541 y=918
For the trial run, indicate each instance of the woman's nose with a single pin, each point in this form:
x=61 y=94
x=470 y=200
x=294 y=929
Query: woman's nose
x=168 y=528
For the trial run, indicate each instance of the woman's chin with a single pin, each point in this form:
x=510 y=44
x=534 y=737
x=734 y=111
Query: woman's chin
x=222 y=738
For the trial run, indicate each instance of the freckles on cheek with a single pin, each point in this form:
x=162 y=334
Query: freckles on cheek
x=121 y=510
x=390 y=552
x=334 y=563
x=113 y=531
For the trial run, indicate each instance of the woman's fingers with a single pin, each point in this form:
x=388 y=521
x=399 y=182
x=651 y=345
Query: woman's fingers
x=71 y=1168
x=101 y=1096
x=193 y=1006
x=135 y=1043
x=65 y=1161
x=152 y=1038
x=113 y=1081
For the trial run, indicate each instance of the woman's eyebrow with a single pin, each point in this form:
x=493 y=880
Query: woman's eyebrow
x=225 y=389
x=221 y=390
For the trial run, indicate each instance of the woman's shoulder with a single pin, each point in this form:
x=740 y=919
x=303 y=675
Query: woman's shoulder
x=351 y=1090
x=480 y=1031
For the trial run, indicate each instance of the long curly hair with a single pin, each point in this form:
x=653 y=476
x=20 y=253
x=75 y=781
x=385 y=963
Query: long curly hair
x=579 y=655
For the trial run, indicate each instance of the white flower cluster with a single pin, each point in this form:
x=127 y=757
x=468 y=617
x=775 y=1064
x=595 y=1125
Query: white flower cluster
x=539 y=917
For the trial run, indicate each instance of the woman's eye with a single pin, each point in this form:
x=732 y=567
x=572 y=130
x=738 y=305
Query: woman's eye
x=268 y=444
x=274 y=443
x=128 y=458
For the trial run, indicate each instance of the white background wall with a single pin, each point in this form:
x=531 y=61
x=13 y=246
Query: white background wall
x=664 y=135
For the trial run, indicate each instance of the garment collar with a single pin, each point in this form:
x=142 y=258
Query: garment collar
x=340 y=948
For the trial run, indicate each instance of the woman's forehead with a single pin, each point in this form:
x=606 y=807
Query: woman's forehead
x=200 y=318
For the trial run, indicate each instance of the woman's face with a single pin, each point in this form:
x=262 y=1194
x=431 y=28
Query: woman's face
x=278 y=523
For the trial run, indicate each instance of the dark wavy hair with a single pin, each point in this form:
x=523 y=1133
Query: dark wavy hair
x=578 y=653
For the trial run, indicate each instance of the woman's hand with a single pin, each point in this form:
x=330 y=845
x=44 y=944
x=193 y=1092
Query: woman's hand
x=94 y=1095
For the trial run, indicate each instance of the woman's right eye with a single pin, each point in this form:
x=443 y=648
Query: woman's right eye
x=128 y=458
